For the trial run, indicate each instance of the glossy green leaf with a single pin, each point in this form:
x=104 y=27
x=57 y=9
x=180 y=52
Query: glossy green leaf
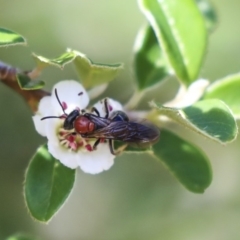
x=211 y=118
x=208 y=12
x=8 y=38
x=150 y=64
x=27 y=83
x=185 y=161
x=48 y=184
x=181 y=32
x=60 y=61
x=226 y=89
x=92 y=74
x=22 y=236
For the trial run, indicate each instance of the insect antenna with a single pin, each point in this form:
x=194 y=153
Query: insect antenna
x=51 y=117
x=56 y=94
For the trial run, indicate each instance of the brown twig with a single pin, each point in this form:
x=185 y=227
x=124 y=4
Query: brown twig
x=8 y=77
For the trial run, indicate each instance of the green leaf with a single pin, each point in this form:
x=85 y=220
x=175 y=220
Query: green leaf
x=186 y=162
x=226 y=89
x=59 y=62
x=209 y=13
x=8 y=38
x=210 y=118
x=21 y=236
x=92 y=74
x=27 y=83
x=181 y=32
x=48 y=183
x=149 y=62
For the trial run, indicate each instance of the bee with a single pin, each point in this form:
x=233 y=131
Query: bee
x=116 y=126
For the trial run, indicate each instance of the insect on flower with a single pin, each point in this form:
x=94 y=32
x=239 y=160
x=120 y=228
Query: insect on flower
x=114 y=127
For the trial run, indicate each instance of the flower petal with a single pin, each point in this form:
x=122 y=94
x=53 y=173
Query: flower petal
x=72 y=94
x=44 y=105
x=43 y=110
x=52 y=129
x=96 y=161
x=39 y=125
x=65 y=156
x=112 y=105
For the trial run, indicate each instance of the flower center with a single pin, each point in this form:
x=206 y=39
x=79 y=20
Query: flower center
x=71 y=140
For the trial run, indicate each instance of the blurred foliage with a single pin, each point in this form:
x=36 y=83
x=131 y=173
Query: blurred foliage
x=137 y=199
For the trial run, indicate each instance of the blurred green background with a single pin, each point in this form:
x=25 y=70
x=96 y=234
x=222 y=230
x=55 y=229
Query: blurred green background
x=137 y=198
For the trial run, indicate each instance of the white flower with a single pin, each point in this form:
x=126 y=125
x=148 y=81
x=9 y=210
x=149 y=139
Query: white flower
x=65 y=145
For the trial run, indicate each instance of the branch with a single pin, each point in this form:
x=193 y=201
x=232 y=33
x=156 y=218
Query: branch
x=8 y=77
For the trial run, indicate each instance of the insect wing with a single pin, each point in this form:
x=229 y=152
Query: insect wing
x=99 y=122
x=131 y=132
x=142 y=134
x=114 y=130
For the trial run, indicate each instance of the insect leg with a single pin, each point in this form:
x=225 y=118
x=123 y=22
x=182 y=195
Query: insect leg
x=110 y=143
x=106 y=107
x=119 y=150
x=96 y=111
x=111 y=147
x=96 y=143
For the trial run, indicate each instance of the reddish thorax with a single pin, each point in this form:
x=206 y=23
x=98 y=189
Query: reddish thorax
x=83 y=125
